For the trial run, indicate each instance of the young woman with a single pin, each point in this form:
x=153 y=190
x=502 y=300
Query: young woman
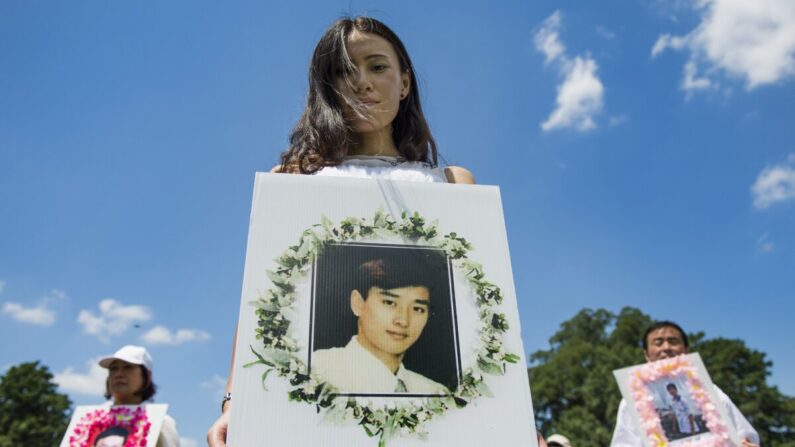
x=130 y=382
x=362 y=119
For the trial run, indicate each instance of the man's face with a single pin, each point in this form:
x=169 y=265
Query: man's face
x=391 y=320
x=111 y=441
x=664 y=343
x=672 y=391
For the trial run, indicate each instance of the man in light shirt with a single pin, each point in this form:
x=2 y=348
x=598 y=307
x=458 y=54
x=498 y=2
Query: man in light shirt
x=392 y=302
x=665 y=339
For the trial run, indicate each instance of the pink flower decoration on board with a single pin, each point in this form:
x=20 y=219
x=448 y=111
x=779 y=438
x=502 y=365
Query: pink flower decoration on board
x=133 y=420
x=649 y=419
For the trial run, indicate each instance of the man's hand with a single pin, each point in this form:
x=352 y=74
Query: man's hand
x=216 y=436
x=747 y=443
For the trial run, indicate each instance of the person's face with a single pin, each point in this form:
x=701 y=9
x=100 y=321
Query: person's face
x=376 y=86
x=111 y=441
x=664 y=343
x=673 y=391
x=124 y=380
x=391 y=320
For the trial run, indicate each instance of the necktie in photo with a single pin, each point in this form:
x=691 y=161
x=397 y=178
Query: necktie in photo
x=401 y=387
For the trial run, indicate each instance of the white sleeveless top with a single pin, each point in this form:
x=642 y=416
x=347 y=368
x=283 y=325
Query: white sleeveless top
x=383 y=167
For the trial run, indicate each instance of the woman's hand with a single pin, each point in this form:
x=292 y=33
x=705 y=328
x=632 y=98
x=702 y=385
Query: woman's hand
x=747 y=443
x=216 y=436
x=457 y=174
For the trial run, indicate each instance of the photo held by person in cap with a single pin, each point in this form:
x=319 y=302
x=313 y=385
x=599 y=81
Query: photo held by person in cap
x=130 y=382
x=663 y=340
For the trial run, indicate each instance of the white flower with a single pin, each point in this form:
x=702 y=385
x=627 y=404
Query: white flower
x=390 y=406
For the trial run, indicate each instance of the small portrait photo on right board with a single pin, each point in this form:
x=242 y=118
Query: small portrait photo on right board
x=383 y=321
x=679 y=416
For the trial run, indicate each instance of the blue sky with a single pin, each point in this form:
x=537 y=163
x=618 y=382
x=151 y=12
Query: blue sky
x=643 y=150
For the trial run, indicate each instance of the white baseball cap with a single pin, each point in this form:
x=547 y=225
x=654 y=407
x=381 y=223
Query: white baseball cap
x=137 y=355
x=559 y=439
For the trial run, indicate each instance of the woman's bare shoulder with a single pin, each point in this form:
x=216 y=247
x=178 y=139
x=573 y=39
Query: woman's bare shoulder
x=457 y=174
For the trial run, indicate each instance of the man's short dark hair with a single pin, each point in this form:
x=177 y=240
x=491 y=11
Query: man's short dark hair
x=112 y=431
x=671 y=385
x=661 y=324
x=399 y=267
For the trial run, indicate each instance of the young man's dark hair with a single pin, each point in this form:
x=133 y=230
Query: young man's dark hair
x=112 y=431
x=400 y=268
x=661 y=324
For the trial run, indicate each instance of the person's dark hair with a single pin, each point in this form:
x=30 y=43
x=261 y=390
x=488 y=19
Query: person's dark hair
x=147 y=391
x=112 y=431
x=322 y=137
x=554 y=444
x=401 y=268
x=661 y=324
x=671 y=385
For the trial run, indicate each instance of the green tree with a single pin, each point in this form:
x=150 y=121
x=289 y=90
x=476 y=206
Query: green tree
x=575 y=393
x=32 y=412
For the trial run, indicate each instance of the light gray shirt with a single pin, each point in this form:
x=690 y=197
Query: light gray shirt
x=353 y=369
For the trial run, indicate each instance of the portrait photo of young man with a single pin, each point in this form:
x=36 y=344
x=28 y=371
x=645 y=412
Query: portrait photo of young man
x=384 y=321
x=112 y=437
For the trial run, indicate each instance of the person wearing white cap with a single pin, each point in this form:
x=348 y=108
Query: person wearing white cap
x=130 y=383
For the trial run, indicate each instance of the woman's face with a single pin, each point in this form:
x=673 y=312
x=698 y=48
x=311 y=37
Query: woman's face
x=124 y=381
x=376 y=86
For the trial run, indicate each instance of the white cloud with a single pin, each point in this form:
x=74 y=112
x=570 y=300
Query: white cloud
x=91 y=382
x=764 y=244
x=188 y=442
x=579 y=97
x=752 y=40
x=547 y=39
x=775 y=184
x=216 y=385
x=692 y=81
x=617 y=120
x=605 y=32
x=580 y=94
x=161 y=335
x=40 y=314
x=113 y=319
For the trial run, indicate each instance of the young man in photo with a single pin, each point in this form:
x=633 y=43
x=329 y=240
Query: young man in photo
x=392 y=302
x=666 y=339
x=684 y=420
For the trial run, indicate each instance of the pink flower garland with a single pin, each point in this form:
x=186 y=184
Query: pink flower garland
x=650 y=420
x=95 y=422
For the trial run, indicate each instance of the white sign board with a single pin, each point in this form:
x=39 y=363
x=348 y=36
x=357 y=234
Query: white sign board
x=115 y=426
x=378 y=312
x=673 y=402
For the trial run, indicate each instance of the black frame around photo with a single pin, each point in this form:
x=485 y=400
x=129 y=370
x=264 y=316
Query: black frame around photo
x=435 y=355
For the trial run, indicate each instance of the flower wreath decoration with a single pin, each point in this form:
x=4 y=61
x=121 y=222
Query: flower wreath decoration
x=278 y=349
x=134 y=420
x=644 y=402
